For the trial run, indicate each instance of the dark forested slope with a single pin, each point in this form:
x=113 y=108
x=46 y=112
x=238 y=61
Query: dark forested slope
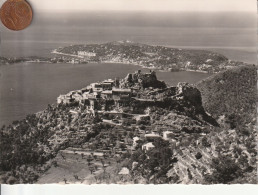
x=232 y=93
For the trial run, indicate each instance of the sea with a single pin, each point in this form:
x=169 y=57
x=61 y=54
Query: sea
x=26 y=88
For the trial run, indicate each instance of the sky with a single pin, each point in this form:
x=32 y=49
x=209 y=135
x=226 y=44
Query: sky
x=144 y=5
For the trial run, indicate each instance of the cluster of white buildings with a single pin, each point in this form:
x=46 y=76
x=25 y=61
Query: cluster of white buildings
x=107 y=90
x=150 y=137
x=86 y=54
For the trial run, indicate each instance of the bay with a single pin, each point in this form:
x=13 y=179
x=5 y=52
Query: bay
x=27 y=88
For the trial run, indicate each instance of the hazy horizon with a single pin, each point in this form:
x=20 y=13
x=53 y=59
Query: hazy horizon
x=147 y=5
x=143 y=5
x=175 y=19
x=174 y=29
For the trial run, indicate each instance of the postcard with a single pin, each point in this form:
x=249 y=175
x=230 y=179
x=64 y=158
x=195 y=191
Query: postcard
x=128 y=92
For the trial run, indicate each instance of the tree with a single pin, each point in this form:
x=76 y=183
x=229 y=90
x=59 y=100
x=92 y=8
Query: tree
x=198 y=155
x=65 y=180
x=91 y=168
x=55 y=163
x=76 y=177
x=226 y=170
x=102 y=162
x=205 y=142
x=155 y=162
x=11 y=180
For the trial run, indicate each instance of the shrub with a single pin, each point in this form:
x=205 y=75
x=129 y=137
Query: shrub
x=198 y=155
x=226 y=170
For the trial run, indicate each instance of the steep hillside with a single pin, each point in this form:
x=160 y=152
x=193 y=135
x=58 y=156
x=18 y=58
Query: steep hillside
x=134 y=130
x=231 y=94
x=231 y=97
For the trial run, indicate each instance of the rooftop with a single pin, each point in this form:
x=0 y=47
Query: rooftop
x=152 y=135
x=121 y=90
x=108 y=81
x=107 y=92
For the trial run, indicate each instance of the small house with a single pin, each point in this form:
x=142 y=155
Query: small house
x=106 y=94
x=121 y=93
x=148 y=146
x=168 y=135
x=152 y=136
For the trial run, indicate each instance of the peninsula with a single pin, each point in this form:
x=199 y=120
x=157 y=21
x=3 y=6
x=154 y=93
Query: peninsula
x=153 y=57
x=158 y=58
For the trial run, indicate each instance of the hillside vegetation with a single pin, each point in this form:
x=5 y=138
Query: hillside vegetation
x=157 y=134
x=232 y=95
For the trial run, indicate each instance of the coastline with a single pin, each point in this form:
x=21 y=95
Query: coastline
x=201 y=71
x=111 y=62
x=10 y=109
x=159 y=58
x=129 y=63
x=60 y=53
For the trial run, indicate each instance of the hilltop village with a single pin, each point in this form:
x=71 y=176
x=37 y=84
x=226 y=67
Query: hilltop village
x=148 y=132
x=113 y=91
x=115 y=102
x=133 y=130
x=106 y=122
x=136 y=110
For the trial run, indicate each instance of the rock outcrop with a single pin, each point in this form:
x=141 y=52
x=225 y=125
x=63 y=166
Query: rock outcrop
x=143 y=80
x=189 y=92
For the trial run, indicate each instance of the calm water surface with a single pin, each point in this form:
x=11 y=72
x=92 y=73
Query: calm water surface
x=28 y=88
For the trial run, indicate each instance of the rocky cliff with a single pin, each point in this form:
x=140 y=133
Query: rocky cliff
x=144 y=80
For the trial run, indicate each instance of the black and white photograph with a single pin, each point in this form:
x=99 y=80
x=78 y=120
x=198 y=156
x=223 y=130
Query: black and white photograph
x=128 y=92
